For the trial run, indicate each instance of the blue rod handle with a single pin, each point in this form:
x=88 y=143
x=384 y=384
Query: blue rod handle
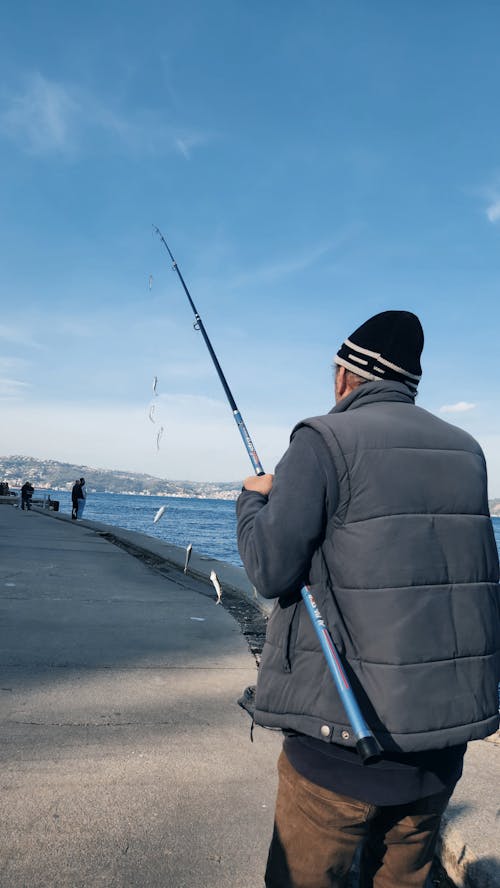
x=366 y=744
x=254 y=459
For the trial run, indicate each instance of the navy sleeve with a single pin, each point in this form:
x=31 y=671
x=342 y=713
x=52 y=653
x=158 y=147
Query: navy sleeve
x=277 y=535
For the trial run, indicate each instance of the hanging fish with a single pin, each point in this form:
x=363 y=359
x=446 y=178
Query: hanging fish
x=159 y=437
x=215 y=580
x=150 y=283
x=161 y=511
x=188 y=556
x=152 y=412
x=155 y=383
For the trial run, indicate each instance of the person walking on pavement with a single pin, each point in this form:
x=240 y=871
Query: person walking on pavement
x=382 y=509
x=74 y=499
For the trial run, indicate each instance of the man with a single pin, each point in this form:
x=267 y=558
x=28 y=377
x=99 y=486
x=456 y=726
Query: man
x=75 y=495
x=382 y=508
x=27 y=491
x=81 y=497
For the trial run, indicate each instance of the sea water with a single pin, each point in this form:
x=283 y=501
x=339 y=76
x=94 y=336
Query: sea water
x=209 y=525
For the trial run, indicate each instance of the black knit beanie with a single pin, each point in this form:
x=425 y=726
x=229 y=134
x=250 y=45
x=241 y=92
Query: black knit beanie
x=387 y=346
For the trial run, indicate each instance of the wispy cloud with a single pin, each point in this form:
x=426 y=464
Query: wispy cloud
x=300 y=261
x=490 y=194
x=11 y=388
x=493 y=210
x=9 y=365
x=19 y=335
x=48 y=117
x=40 y=118
x=187 y=142
x=459 y=407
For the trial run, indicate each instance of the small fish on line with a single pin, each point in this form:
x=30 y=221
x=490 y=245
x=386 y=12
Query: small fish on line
x=161 y=511
x=159 y=437
x=150 y=282
x=155 y=385
x=189 y=549
x=215 y=580
x=152 y=412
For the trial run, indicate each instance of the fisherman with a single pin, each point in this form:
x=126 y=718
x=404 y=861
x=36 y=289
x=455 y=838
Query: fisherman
x=382 y=509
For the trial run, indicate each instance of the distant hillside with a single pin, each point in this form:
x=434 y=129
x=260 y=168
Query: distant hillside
x=53 y=475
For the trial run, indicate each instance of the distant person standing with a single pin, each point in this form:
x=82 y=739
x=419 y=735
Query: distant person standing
x=27 y=491
x=74 y=499
x=82 y=496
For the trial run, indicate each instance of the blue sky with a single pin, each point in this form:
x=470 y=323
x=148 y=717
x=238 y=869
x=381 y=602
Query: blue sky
x=309 y=167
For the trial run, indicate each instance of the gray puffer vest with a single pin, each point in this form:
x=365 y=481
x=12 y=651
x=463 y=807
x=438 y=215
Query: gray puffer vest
x=406 y=580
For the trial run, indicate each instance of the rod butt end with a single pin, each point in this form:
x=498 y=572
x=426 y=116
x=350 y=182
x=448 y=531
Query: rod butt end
x=368 y=749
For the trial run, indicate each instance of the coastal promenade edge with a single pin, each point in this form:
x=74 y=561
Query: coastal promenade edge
x=200 y=566
x=469 y=847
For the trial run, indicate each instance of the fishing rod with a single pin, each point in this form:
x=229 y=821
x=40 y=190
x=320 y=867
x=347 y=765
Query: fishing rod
x=366 y=743
x=199 y=325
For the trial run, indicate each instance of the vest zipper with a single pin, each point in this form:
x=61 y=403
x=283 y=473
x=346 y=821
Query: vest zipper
x=290 y=637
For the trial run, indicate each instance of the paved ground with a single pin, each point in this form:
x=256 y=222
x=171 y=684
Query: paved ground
x=124 y=760
x=471 y=827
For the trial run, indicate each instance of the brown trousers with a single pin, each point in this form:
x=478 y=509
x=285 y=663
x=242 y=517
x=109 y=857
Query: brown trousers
x=317 y=832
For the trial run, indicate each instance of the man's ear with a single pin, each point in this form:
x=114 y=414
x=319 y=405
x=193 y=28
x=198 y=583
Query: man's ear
x=340 y=382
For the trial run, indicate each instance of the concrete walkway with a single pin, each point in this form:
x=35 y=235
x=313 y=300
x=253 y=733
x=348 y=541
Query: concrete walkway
x=470 y=842
x=124 y=758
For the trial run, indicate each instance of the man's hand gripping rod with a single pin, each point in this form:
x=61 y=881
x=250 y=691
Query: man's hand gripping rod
x=366 y=743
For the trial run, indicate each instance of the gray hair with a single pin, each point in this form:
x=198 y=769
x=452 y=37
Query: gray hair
x=353 y=379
